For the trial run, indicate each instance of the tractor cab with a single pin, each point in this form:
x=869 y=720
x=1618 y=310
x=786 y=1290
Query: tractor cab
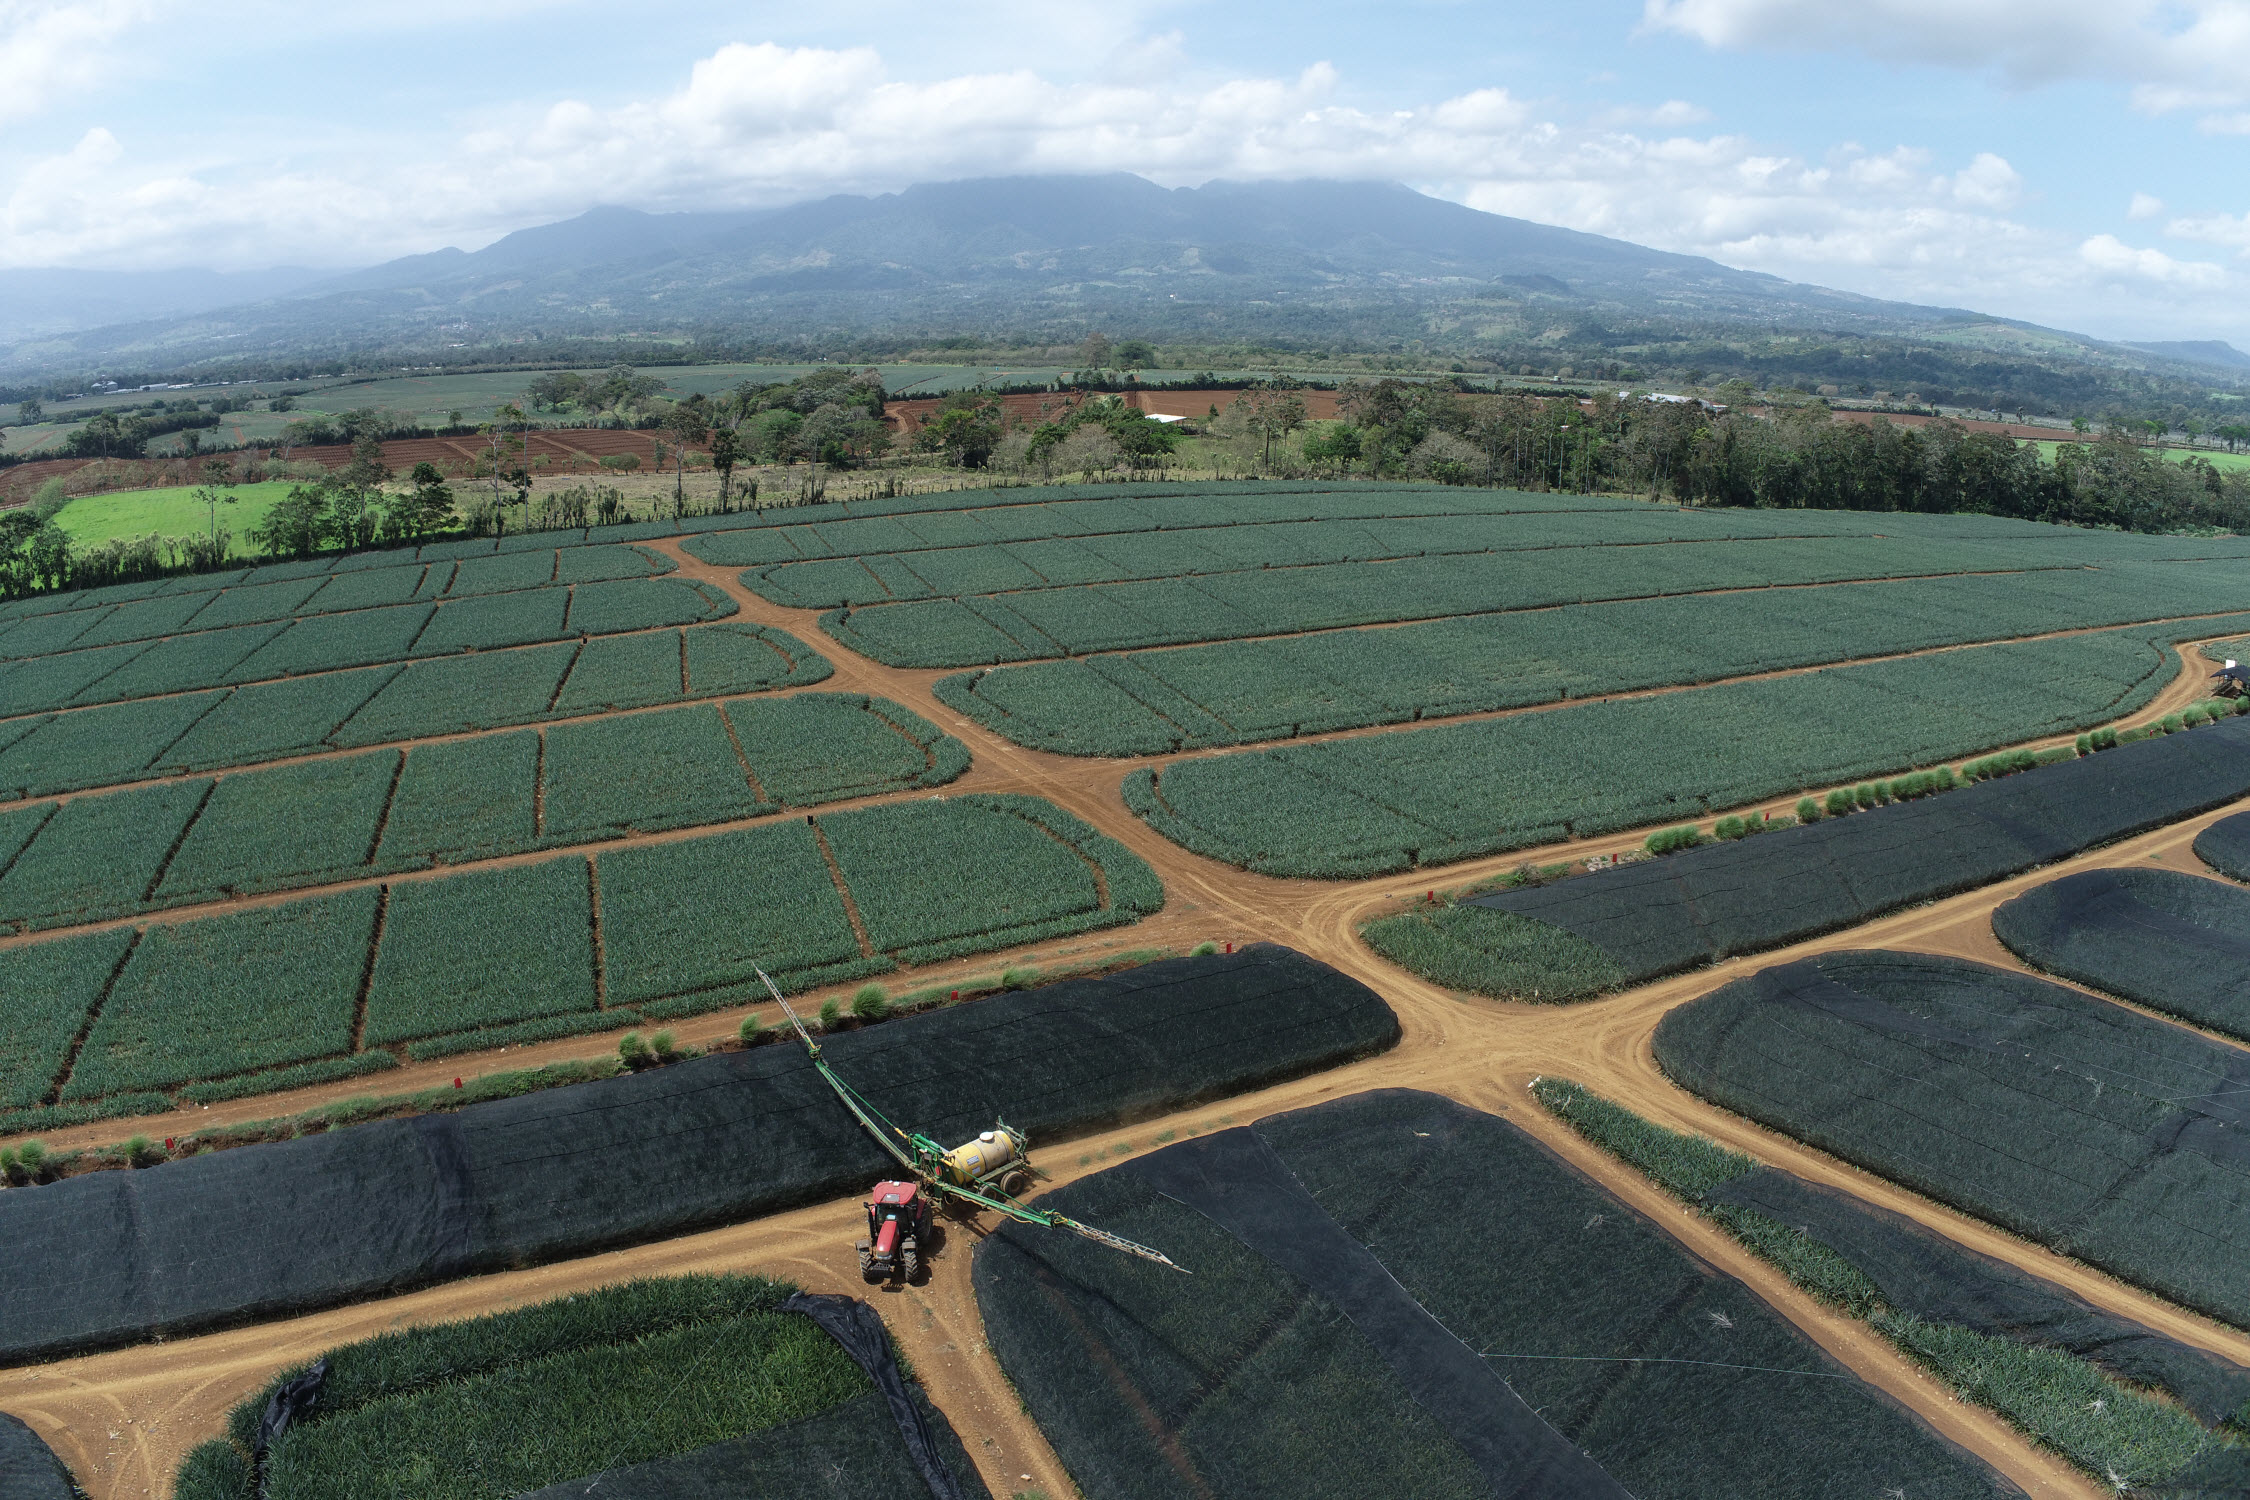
x=898 y=1230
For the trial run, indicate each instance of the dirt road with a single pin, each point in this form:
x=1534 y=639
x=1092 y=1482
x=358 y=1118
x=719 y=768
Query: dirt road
x=122 y=1420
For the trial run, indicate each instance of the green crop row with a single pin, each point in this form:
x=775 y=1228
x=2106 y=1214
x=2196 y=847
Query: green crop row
x=990 y=629
x=1434 y=795
x=962 y=519
x=97 y=672
x=1241 y=692
x=334 y=818
x=2113 y=1430
x=966 y=519
x=275 y=996
x=881 y=574
x=221 y=601
x=103 y=746
x=516 y=1401
x=1030 y=547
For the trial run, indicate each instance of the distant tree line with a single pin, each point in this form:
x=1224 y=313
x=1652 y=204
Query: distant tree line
x=1797 y=458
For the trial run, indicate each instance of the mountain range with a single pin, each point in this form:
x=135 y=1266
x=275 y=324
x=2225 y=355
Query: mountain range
x=1289 y=265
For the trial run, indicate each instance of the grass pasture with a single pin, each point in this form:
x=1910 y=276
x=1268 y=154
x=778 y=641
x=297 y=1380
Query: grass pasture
x=169 y=512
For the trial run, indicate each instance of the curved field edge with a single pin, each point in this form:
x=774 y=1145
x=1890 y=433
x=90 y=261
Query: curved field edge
x=2112 y=1429
x=1382 y=1286
x=1402 y=799
x=1245 y=692
x=2176 y=943
x=421 y=1409
x=2058 y=1116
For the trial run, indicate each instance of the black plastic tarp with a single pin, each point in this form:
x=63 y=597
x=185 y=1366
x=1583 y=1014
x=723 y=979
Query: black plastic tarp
x=1927 y=1275
x=264 y=1230
x=29 y=1470
x=1662 y=915
x=2109 y=1135
x=854 y=1325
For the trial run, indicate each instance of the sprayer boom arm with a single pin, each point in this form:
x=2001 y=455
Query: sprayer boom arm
x=925 y=1160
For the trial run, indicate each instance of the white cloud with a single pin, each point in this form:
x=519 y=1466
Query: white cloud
x=49 y=48
x=2177 y=54
x=2145 y=206
x=1672 y=114
x=1986 y=182
x=2112 y=257
x=765 y=124
x=2214 y=229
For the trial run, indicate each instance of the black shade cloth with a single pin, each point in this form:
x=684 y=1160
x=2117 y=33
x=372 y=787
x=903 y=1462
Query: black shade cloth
x=263 y=1230
x=1925 y=1274
x=1235 y=1180
x=2106 y=1134
x=2174 y=942
x=1661 y=915
x=2225 y=846
x=1244 y=1380
x=853 y=1324
x=29 y=1470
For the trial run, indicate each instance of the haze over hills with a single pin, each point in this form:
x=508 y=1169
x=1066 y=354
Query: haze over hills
x=35 y=303
x=1305 y=266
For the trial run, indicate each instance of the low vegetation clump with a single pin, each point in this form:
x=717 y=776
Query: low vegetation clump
x=1493 y=953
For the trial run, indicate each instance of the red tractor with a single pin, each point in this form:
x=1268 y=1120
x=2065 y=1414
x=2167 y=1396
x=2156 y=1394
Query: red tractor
x=898 y=1227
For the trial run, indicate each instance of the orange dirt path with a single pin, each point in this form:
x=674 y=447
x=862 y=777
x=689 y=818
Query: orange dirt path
x=123 y=1419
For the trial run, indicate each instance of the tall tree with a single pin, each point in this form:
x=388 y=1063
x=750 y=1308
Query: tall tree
x=428 y=506
x=504 y=436
x=358 y=491
x=726 y=452
x=687 y=423
x=218 y=484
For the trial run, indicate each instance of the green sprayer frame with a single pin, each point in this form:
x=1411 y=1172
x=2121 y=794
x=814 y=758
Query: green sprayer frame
x=925 y=1158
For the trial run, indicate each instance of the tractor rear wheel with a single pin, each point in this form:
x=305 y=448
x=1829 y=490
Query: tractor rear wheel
x=870 y=1270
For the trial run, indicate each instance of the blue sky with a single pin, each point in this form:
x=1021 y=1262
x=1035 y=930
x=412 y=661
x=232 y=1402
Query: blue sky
x=2072 y=163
